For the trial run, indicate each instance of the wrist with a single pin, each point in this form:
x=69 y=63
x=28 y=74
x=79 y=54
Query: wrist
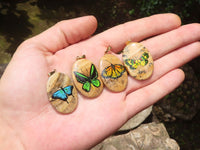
x=9 y=138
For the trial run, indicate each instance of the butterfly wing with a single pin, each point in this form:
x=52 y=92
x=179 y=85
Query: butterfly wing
x=93 y=72
x=146 y=55
x=144 y=59
x=86 y=86
x=96 y=82
x=107 y=72
x=84 y=80
x=80 y=77
x=118 y=70
x=60 y=94
x=113 y=71
x=131 y=63
x=94 y=76
x=68 y=89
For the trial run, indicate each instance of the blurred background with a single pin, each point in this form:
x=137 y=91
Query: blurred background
x=22 y=19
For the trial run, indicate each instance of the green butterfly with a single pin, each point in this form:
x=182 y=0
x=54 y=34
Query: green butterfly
x=87 y=81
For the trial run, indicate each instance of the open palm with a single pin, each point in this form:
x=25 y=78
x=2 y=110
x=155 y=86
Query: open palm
x=24 y=106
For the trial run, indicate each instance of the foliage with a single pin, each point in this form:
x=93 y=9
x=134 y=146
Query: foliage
x=187 y=10
x=13 y=21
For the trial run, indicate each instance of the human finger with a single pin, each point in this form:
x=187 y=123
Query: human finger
x=170 y=50
x=138 y=30
x=167 y=42
x=165 y=64
x=148 y=95
x=64 y=33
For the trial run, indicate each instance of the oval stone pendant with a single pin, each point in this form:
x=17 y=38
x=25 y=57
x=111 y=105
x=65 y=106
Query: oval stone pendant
x=113 y=73
x=86 y=78
x=62 y=93
x=138 y=61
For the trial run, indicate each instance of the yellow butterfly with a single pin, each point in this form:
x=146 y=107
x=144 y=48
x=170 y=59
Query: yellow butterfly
x=133 y=64
x=113 y=71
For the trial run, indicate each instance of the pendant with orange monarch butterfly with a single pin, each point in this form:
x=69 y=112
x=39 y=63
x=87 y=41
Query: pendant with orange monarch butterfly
x=113 y=73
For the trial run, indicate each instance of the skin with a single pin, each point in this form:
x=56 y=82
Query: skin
x=27 y=119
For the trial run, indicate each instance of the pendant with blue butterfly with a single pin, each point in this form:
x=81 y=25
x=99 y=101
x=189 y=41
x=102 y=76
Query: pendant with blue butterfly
x=86 y=78
x=61 y=93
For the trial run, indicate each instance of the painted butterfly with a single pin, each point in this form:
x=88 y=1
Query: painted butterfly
x=87 y=81
x=143 y=60
x=63 y=93
x=113 y=71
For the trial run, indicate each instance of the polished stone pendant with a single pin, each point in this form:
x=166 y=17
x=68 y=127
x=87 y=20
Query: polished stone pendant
x=138 y=61
x=113 y=73
x=62 y=93
x=86 y=78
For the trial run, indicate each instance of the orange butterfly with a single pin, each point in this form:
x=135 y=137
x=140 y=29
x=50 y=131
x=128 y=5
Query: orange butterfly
x=113 y=71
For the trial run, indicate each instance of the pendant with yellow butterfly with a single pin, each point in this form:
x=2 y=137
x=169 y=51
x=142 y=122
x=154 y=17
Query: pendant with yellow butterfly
x=113 y=73
x=138 y=61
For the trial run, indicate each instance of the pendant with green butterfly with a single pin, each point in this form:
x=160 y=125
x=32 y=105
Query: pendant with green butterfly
x=86 y=78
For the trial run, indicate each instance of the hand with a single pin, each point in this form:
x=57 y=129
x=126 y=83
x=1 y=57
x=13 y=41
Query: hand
x=28 y=120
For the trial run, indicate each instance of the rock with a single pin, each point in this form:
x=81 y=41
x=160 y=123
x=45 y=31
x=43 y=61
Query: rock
x=161 y=115
x=150 y=136
x=113 y=73
x=138 y=61
x=183 y=102
x=86 y=78
x=62 y=93
x=137 y=119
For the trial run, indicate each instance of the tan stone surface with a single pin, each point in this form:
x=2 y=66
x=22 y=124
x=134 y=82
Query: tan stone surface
x=150 y=136
x=56 y=82
x=83 y=66
x=137 y=119
x=113 y=73
x=135 y=52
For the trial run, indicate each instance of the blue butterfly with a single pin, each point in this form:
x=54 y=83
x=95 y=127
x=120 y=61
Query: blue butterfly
x=63 y=93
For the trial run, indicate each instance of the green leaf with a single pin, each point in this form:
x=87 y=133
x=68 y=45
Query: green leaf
x=131 y=12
